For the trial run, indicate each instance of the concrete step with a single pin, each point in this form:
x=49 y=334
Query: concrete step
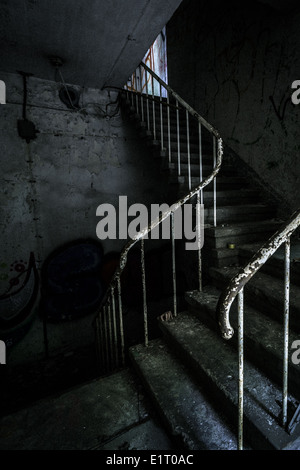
x=148 y=129
x=220 y=257
x=240 y=233
x=195 y=169
x=181 y=403
x=214 y=363
x=207 y=158
x=194 y=148
x=263 y=336
x=265 y=293
x=275 y=265
x=136 y=112
x=238 y=213
x=222 y=182
x=228 y=197
x=172 y=168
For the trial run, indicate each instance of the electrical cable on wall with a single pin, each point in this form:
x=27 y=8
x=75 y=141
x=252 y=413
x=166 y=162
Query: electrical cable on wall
x=70 y=96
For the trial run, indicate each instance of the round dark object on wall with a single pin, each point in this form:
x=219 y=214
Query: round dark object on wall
x=82 y=298
x=71 y=283
x=72 y=261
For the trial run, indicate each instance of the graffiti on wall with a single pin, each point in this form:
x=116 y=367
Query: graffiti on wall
x=17 y=303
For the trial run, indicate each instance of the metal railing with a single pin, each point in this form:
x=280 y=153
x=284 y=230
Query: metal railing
x=236 y=288
x=144 y=100
x=109 y=318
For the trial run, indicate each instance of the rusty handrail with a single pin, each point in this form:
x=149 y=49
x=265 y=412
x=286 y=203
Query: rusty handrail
x=180 y=202
x=192 y=111
x=110 y=341
x=236 y=288
x=159 y=219
x=245 y=274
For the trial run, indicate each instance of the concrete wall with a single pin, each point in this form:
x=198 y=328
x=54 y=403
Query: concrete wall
x=51 y=187
x=235 y=63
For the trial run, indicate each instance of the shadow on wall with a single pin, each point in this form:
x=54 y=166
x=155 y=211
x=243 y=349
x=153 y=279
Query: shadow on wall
x=71 y=281
x=74 y=279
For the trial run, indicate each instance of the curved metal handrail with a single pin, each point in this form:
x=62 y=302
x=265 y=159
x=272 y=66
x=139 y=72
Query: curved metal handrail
x=161 y=218
x=108 y=322
x=180 y=202
x=244 y=275
x=194 y=113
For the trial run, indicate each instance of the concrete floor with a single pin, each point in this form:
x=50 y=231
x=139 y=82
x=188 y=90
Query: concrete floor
x=107 y=414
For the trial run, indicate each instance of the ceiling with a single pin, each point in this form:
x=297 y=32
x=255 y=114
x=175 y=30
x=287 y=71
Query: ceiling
x=101 y=42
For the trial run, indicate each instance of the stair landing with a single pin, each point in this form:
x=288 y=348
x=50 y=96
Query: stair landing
x=107 y=414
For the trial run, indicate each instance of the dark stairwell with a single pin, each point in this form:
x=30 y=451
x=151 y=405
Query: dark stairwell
x=190 y=373
x=180 y=390
x=187 y=375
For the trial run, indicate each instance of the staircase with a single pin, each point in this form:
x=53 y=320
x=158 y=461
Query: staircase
x=242 y=213
x=190 y=372
x=208 y=392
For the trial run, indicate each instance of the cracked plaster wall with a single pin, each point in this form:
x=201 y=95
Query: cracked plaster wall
x=50 y=188
x=234 y=62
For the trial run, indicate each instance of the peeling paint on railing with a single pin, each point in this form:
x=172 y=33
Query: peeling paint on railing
x=246 y=273
x=236 y=288
x=109 y=301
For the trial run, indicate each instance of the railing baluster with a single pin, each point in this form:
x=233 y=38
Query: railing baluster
x=141 y=91
x=136 y=94
x=241 y=367
x=286 y=330
x=110 y=336
x=98 y=342
x=161 y=120
x=215 y=181
x=178 y=138
x=169 y=129
x=200 y=157
x=101 y=327
x=153 y=109
x=147 y=101
x=144 y=292
x=174 y=266
x=113 y=305
x=106 y=364
x=188 y=149
x=121 y=322
x=132 y=86
x=198 y=228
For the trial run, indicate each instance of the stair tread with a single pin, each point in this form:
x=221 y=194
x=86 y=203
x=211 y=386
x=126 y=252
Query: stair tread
x=262 y=334
x=243 y=227
x=278 y=255
x=185 y=408
x=275 y=265
x=272 y=287
x=255 y=206
x=217 y=360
